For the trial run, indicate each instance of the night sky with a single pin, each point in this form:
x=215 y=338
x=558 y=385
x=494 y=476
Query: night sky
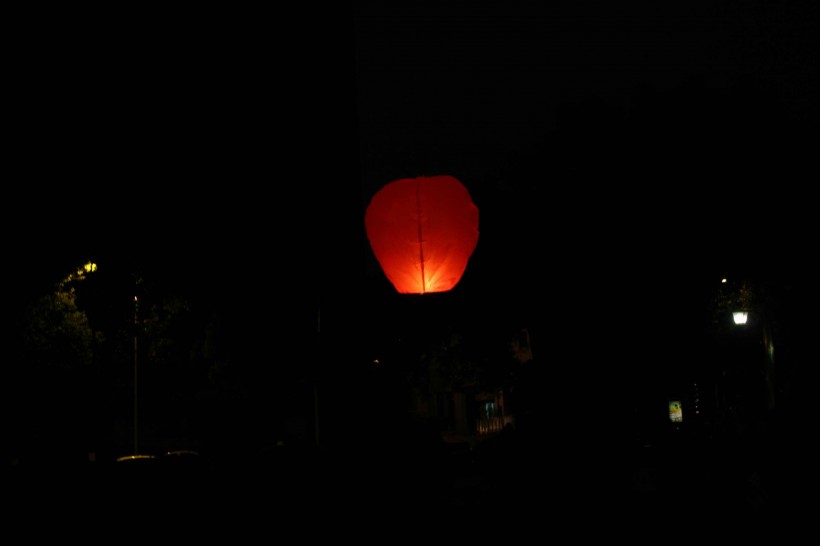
x=586 y=135
x=621 y=157
x=623 y=160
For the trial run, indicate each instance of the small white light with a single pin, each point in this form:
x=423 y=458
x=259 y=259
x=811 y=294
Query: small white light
x=740 y=317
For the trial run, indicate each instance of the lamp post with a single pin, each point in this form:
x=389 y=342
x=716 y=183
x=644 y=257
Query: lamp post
x=136 y=375
x=136 y=457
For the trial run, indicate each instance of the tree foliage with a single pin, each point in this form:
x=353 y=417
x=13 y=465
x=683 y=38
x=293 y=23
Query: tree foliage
x=95 y=317
x=464 y=361
x=57 y=334
x=748 y=294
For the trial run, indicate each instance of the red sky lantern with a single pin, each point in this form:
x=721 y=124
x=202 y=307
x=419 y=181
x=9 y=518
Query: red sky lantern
x=423 y=231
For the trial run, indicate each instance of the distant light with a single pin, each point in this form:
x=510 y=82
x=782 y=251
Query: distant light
x=675 y=411
x=740 y=317
x=80 y=273
x=723 y=280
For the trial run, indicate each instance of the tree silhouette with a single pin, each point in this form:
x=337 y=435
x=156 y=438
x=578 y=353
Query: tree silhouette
x=57 y=334
x=74 y=361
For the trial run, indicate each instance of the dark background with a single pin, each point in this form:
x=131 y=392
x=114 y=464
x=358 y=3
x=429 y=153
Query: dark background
x=622 y=159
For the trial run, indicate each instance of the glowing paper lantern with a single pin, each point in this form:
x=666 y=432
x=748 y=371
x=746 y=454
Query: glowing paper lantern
x=423 y=231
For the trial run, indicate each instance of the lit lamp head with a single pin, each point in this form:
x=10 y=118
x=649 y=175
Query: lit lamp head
x=740 y=317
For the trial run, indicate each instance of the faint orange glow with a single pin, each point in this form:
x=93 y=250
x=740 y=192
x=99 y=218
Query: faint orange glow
x=125 y=458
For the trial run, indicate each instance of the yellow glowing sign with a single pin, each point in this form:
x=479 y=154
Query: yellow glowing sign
x=675 y=411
